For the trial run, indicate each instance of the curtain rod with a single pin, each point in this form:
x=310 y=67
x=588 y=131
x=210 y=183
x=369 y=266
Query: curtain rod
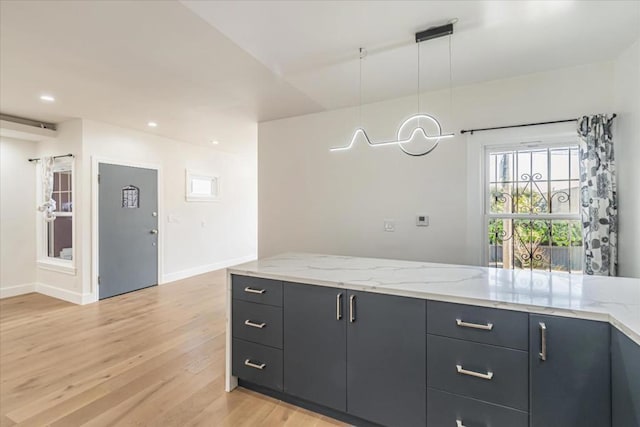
x=471 y=131
x=36 y=159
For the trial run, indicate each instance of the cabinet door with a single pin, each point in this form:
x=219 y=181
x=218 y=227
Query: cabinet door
x=570 y=372
x=625 y=368
x=386 y=359
x=315 y=348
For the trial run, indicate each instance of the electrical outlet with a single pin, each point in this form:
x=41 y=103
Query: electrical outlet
x=422 y=220
x=389 y=225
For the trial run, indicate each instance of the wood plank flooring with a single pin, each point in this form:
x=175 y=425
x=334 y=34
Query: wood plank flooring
x=153 y=357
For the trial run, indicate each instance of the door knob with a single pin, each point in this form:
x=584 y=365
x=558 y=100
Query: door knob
x=154 y=231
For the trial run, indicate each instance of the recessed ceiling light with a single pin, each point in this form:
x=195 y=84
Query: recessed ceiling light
x=215 y=142
x=47 y=98
x=152 y=124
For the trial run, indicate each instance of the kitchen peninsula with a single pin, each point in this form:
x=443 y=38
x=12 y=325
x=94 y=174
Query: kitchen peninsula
x=388 y=342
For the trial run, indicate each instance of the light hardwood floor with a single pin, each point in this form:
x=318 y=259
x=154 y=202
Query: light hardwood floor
x=153 y=357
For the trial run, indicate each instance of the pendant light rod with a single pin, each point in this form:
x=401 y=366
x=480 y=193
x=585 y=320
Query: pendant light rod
x=434 y=32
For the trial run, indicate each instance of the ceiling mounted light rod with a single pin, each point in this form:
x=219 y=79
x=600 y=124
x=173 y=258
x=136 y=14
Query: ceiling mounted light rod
x=434 y=32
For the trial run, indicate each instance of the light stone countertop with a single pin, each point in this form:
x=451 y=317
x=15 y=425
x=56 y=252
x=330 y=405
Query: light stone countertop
x=612 y=299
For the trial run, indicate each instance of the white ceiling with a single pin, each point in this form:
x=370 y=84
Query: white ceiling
x=202 y=68
x=130 y=62
x=314 y=44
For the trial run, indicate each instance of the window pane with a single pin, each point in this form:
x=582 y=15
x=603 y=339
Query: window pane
x=524 y=165
x=563 y=196
x=60 y=237
x=574 y=164
x=530 y=187
x=201 y=187
x=493 y=168
x=540 y=167
x=559 y=164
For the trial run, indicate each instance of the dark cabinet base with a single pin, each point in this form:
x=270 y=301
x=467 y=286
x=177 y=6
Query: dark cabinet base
x=446 y=409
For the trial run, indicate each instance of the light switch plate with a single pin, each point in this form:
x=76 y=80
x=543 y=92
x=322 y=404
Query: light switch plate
x=422 y=220
x=389 y=225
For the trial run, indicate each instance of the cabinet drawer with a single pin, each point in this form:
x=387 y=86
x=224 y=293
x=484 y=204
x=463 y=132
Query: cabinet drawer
x=479 y=324
x=256 y=289
x=446 y=409
x=257 y=323
x=257 y=364
x=451 y=364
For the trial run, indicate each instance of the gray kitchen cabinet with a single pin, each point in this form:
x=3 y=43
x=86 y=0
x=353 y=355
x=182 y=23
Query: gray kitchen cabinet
x=625 y=380
x=315 y=354
x=493 y=374
x=570 y=375
x=386 y=354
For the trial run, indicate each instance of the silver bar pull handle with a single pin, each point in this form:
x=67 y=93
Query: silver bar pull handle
x=352 y=308
x=543 y=341
x=254 y=291
x=339 y=306
x=250 y=364
x=463 y=324
x=255 y=325
x=461 y=370
x=459 y=423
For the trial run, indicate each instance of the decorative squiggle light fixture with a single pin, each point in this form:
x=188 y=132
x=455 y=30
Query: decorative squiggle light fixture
x=418 y=131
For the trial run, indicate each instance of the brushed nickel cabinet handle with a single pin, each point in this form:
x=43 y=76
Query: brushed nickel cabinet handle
x=255 y=325
x=250 y=364
x=339 y=306
x=543 y=341
x=461 y=370
x=352 y=308
x=459 y=423
x=254 y=291
x=463 y=324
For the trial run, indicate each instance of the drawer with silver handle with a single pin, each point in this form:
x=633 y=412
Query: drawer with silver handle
x=258 y=323
x=493 y=374
x=257 y=364
x=499 y=327
x=451 y=410
x=257 y=289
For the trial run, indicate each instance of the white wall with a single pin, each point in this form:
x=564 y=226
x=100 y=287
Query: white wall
x=627 y=146
x=314 y=200
x=198 y=236
x=18 y=211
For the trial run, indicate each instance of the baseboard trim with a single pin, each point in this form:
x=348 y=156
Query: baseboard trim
x=13 y=291
x=63 y=294
x=48 y=290
x=183 y=274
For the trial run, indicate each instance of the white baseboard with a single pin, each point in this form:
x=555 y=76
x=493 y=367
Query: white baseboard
x=12 y=291
x=52 y=291
x=63 y=294
x=78 y=298
x=183 y=274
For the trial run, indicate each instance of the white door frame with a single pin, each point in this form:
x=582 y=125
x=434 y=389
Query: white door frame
x=95 y=220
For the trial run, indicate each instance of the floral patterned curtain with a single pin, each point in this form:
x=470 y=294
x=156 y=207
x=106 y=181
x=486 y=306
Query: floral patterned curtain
x=48 y=206
x=598 y=195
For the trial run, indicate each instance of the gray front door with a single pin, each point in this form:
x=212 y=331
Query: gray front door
x=128 y=229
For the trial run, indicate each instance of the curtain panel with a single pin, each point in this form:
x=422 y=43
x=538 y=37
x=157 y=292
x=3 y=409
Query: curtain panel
x=599 y=204
x=48 y=206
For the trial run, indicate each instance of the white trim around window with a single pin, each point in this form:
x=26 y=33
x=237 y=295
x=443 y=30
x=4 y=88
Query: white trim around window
x=477 y=145
x=44 y=261
x=201 y=187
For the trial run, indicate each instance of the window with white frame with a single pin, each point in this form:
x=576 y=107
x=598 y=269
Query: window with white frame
x=58 y=234
x=532 y=208
x=202 y=187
